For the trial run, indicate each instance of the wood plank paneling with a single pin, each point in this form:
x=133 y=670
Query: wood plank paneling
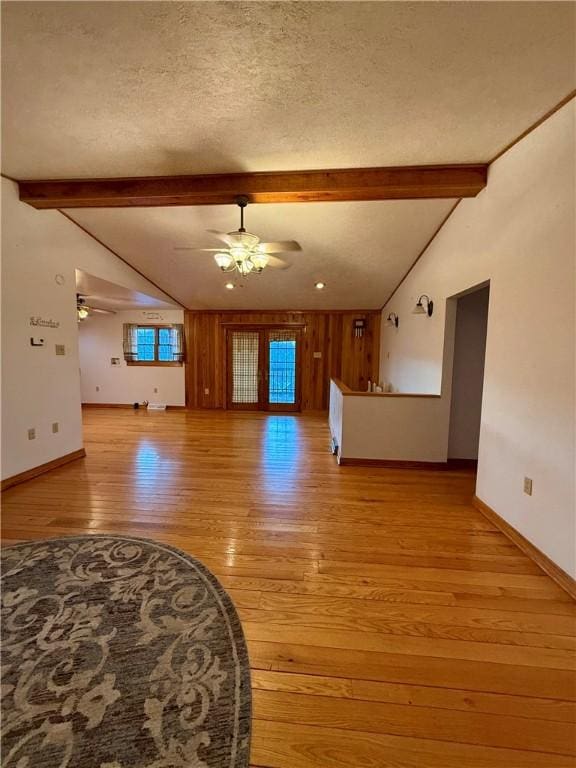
x=343 y=355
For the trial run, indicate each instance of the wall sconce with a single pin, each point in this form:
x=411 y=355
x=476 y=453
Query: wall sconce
x=420 y=309
x=392 y=320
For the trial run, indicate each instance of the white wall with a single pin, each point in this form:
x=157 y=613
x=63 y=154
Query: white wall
x=394 y=428
x=335 y=414
x=100 y=339
x=38 y=387
x=519 y=233
x=468 y=374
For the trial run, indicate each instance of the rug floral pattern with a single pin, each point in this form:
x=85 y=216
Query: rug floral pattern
x=119 y=653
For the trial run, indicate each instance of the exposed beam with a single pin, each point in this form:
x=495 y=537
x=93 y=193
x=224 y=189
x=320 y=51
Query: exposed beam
x=268 y=187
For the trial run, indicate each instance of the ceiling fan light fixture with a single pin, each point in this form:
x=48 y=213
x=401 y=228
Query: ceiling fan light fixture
x=82 y=313
x=243 y=252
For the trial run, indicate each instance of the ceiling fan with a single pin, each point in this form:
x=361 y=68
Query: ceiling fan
x=85 y=311
x=244 y=252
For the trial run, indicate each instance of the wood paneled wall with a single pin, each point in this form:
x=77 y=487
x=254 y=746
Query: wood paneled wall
x=344 y=356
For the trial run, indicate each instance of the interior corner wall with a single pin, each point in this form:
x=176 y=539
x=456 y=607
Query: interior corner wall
x=38 y=386
x=101 y=338
x=520 y=234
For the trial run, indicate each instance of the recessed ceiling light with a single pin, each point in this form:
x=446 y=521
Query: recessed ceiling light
x=230 y=286
x=319 y=285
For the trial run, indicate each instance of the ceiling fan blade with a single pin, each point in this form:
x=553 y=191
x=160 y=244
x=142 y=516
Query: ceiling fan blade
x=224 y=236
x=101 y=311
x=192 y=248
x=283 y=246
x=274 y=261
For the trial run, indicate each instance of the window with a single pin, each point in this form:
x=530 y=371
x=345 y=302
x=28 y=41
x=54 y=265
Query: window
x=153 y=344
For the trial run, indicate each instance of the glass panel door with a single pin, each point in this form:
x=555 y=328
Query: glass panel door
x=244 y=370
x=263 y=369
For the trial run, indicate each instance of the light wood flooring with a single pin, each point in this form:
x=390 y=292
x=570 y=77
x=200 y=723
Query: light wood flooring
x=388 y=622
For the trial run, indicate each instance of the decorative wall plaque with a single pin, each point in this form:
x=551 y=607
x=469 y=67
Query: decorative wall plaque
x=44 y=323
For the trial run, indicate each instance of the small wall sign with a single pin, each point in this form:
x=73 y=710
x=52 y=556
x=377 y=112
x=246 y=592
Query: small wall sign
x=40 y=321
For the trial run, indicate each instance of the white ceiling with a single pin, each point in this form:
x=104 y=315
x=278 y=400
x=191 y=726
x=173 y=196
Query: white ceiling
x=101 y=294
x=359 y=249
x=103 y=89
x=134 y=88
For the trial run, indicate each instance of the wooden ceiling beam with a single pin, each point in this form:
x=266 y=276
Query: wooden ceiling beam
x=416 y=182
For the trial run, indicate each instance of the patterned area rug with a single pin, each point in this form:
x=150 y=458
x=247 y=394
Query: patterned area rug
x=119 y=652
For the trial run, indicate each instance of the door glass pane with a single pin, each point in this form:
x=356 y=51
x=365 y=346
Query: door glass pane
x=245 y=366
x=282 y=373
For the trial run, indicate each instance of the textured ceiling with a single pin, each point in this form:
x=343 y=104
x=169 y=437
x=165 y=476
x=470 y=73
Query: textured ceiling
x=146 y=88
x=136 y=88
x=359 y=249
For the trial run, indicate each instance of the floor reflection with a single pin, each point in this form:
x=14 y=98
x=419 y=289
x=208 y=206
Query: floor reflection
x=281 y=454
x=153 y=471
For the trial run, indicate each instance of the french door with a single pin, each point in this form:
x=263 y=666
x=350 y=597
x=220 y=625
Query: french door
x=263 y=369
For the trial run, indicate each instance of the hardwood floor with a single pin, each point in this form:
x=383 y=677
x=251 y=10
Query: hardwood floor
x=388 y=622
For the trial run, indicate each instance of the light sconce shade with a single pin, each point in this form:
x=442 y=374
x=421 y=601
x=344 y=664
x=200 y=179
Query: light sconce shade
x=392 y=320
x=420 y=309
x=223 y=260
x=245 y=267
x=260 y=260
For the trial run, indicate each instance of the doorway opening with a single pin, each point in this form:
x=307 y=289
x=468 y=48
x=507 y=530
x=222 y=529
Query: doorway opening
x=468 y=375
x=263 y=369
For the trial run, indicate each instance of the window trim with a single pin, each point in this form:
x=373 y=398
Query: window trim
x=156 y=363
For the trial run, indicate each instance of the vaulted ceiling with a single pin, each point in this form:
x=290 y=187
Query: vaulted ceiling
x=130 y=89
x=358 y=249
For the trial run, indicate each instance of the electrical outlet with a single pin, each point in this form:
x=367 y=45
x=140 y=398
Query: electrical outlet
x=528 y=486
x=55 y=427
x=97 y=389
x=32 y=434
x=155 y=390
x=206 y=391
